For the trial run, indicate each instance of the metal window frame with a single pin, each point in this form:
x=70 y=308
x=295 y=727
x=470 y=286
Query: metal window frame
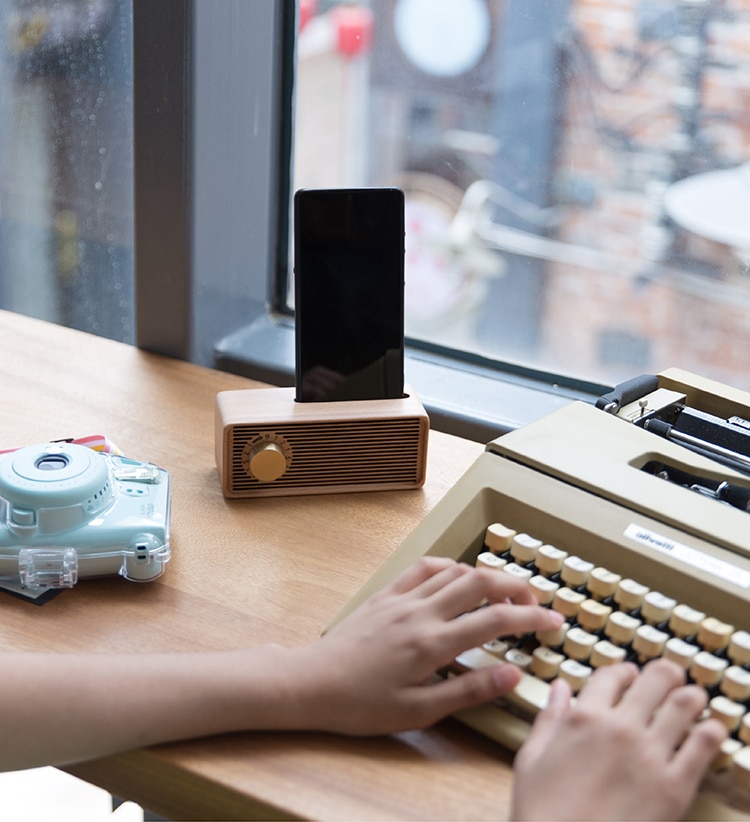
x=211 y=170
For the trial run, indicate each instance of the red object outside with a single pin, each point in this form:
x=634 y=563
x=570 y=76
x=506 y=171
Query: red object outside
x=307 y=9
x=354 y=26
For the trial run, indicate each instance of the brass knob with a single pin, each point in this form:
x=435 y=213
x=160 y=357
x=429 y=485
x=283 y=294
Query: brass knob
x=267 y=462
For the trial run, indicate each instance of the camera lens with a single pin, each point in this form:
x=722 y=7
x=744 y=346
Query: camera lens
x=51 y=462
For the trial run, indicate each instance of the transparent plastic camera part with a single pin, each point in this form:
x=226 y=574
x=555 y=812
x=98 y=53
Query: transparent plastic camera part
x=51 y=567
x=127 y=470
x=146 y=560
x=48 y=567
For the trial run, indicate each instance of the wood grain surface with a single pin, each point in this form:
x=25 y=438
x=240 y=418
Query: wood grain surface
x=242 y=572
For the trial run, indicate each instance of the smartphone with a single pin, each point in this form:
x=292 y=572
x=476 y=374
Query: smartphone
x=349 y=293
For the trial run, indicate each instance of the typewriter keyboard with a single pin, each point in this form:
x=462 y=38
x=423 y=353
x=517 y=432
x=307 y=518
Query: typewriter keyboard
x=612 y=618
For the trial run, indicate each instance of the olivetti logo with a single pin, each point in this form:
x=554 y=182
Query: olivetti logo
x=648 y=537
x=702 y=560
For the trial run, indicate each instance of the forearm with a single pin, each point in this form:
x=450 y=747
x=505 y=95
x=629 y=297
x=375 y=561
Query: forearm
x=368 y=675
x=57 y=709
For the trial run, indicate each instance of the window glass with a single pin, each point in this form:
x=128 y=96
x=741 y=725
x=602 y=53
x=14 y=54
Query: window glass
x=66 y=192
x=576 y=171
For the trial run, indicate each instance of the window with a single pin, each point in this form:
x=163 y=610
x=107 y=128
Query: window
x=577 y=199
x=576 y=179
x=139 y=165
x=66 y=193
x=335 y=143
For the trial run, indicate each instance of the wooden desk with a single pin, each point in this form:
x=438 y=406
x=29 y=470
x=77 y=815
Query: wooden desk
x=242 y=572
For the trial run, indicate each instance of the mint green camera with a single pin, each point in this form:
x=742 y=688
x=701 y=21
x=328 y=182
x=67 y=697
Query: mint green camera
x=68 y=512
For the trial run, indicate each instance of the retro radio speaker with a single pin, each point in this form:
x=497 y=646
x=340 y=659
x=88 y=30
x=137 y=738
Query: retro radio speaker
x=267 y=444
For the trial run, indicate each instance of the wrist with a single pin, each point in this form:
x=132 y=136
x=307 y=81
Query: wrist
x=271 y=687
x=302 y=686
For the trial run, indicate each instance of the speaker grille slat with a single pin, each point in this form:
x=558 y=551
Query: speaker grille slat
x=356 y=452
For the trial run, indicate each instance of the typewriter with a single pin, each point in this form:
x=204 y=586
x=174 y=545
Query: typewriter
x=632 y=516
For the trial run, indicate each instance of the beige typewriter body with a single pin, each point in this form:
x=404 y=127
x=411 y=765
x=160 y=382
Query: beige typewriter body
x=573 y=479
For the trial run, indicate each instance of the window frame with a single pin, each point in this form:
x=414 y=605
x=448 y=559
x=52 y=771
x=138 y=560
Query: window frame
x=203 y=160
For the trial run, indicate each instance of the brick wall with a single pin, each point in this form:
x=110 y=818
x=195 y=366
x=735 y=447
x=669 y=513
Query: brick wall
x=620 y=130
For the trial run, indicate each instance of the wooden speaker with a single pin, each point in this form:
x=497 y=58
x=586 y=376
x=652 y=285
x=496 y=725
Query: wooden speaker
x=267 y=444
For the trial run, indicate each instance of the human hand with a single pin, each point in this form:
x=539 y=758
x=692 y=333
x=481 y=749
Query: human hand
x=371 y=673
x=629 y=747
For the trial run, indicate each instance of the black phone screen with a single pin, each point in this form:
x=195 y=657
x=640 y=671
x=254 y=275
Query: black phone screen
x=349 y=293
